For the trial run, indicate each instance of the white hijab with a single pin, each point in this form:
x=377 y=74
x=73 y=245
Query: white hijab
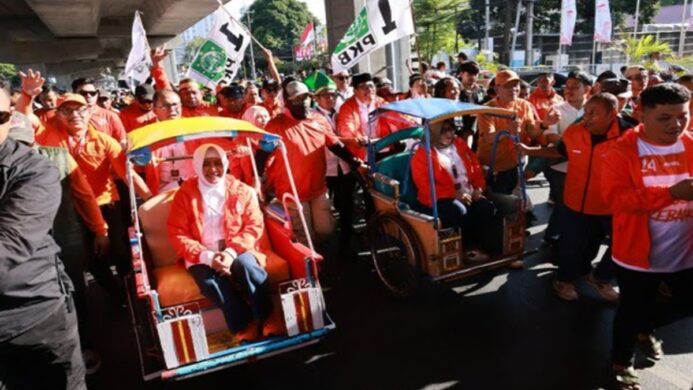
x=213 y=194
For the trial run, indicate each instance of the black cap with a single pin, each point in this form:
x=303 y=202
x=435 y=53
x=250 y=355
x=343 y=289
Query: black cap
x=360 y=78
x=270 y=84
x=233 y=91
x=145 y=91
x=615 y=86
x=607 y=74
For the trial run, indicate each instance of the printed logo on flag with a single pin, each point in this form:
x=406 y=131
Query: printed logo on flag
x=355 y=33
x=210 y=61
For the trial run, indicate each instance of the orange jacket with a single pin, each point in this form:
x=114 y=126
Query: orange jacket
x=444 y=182
x=133 y=117
x=243 y=221
x=84 y=200
x=632 y=203
x=582 y=191
x=543 y=102
x=97 y=158
x=349 y=124
x=108 y=122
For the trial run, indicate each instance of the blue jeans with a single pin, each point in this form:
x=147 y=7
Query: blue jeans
x=243 y=296
x=480 y=222
x=581 y=236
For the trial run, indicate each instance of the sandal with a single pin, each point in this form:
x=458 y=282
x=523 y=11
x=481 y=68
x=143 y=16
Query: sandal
x=651 y=347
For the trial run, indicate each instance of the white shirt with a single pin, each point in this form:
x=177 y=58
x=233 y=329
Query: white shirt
x=342 y=96
x=569 y=115
x=213 y=200
x=331 y=159
x=449 y=158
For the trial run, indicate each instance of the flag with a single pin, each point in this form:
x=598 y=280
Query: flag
x=306 y=46
x=139 y=60
x=602 y=21
x=690 y=16
x=568 y=16
x=220 y=56
x=308 y=35
x=303 y=53
x=378 y=23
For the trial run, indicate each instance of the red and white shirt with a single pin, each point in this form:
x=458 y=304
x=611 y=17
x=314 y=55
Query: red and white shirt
x=671 y=228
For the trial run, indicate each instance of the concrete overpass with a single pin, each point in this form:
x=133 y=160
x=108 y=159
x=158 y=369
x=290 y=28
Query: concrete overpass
x=80 y=37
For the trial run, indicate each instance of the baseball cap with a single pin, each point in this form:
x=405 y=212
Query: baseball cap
x=71 y=98
x=145 y=92
x=505 y=76
x=233 y=91
x=295 y=89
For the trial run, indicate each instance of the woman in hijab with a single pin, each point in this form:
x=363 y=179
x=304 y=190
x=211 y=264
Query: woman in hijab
x=257 y=115
x=215 y=229
x=459 y=187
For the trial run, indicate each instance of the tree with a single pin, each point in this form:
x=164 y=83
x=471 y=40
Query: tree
x=436 y=24
x=7 y=71
x=278 y=24
x=191 y=49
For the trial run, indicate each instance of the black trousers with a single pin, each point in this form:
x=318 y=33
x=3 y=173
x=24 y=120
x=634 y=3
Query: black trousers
x=47 y=356
x=581 y=237
x=638 y=311
x=345 y=186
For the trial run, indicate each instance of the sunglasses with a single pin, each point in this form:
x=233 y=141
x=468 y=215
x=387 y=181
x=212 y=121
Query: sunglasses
x=145 y=101
x=4 y=117
x=342 y=78
x=88 y=93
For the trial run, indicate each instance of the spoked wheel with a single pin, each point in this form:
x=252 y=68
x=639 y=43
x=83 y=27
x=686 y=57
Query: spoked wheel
x=396 y=254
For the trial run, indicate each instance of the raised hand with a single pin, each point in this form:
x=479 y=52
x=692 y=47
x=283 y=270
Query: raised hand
x=32 y=82
x=158 y=55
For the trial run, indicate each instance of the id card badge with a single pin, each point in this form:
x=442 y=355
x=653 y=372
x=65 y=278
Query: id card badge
x=221 y=245
x=175 y=174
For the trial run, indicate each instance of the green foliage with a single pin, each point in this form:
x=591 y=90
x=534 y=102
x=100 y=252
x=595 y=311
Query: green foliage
x=436 y=24
x=485 y=64
x=278 y=24
x=191 y=49
x=638 y=50
x=685 y=62
x=8 y=71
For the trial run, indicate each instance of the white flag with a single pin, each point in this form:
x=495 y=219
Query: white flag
x=568 y=16
x=602 y=21
x=139 y=61
x=220 y=56
x=379 y=23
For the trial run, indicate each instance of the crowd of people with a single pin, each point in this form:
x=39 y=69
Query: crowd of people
x=617 y=151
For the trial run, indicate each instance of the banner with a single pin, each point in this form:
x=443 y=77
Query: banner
x=306 y=47
x=568 y=17
x=602 y=21
x=303 y=53
x=220 y=56
x=378 y=23
x=139 y=60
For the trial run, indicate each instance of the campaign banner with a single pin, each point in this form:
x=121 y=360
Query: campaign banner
x=378 y=23
x=568 y=17
x=602 y=21
x=221 y=55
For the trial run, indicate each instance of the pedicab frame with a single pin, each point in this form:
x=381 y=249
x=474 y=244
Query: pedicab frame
x=143 y=299
x=422 y=247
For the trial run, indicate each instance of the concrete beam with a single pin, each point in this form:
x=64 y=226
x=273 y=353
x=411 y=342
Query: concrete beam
x=167 y=17
x=71 y=67
x=49 y=50
x=69 y=18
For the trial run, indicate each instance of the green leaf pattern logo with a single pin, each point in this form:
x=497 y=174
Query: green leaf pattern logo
x=355 y=32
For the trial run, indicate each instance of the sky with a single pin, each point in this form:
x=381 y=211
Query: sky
x=317 y=7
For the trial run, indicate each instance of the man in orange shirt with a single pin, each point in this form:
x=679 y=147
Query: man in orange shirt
x=270 y=93
x=648 y=184
x=103 y=120
x=139 y=113
x=97 y=155
x=48 y=99
x=191 y=97
x=306 y=135
x=544 y=98
x=234 y=104
x=526 y=125
x=586 y=218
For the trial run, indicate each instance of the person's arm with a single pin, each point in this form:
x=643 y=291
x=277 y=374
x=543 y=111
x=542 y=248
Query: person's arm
x=622 y=195
x=343 y=153
x=117 y=128
x=539 y=151
x=27 y=210
x=271 y=66
x=32 y=82
x=158 y=73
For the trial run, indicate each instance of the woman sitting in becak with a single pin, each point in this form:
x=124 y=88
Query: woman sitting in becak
x=459 y=188
x=215 y=227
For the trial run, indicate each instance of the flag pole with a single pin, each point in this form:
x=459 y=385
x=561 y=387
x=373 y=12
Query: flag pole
x=240 y=25
x=682 y=36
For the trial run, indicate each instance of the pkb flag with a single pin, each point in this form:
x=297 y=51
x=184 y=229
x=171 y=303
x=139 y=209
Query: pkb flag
x=220 y=56
x=379 y=23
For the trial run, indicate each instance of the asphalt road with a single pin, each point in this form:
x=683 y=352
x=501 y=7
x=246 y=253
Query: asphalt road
x=503 y=330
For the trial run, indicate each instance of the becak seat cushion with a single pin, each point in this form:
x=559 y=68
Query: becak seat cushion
x=175 y=285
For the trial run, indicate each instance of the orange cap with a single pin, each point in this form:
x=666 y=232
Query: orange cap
x=505 y=76
x=71 y=97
